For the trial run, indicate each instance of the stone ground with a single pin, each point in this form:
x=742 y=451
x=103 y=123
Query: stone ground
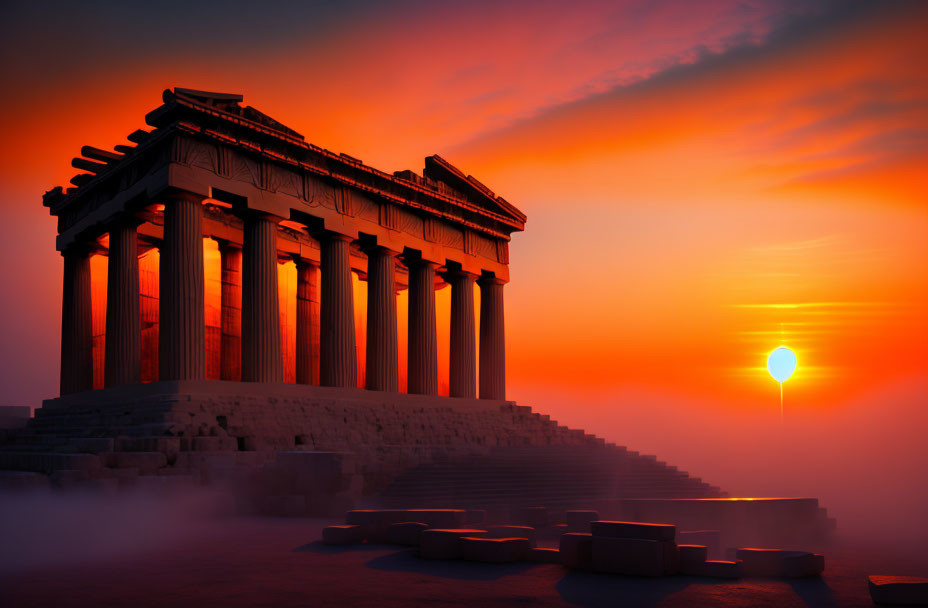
x=237 y=561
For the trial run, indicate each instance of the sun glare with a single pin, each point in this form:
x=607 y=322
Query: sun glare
x=781 y=364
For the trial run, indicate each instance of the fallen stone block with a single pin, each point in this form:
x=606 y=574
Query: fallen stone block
x=799 y=564
x=898 y=590
x=576 y=549
x=376 y=522
x=405 y=533
x=525 y=532
x=760 y=562
x=438 y=518
x=342 y=535
x=712 y=539
x=543 y=555
x=692 y=557
x=629 y=529
x=438 y=543
x=580 y=520
x=720 y=569
x=493 y=550
x=629 y=556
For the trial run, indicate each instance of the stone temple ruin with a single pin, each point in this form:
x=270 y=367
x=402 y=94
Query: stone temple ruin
x=160 y=397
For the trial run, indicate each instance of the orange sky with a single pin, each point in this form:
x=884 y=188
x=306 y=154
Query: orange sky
x=702 y=185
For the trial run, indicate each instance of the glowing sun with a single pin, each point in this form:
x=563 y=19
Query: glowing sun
x=781 y=364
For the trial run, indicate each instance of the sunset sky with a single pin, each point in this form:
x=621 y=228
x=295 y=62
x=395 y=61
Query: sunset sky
x=703 y=182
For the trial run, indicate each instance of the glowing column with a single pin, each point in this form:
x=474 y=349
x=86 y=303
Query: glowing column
x=123 y=349
x=230 y=341
x=261 y=356
x=76 y=332
x=463 y=370
x=492 y=340
x=182 y=327
x=338 y=346
x=423 y=336
x=307 y=298
x=382 y=354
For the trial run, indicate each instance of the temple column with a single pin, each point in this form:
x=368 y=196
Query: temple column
x=123 y=347
x=338 y=348
x=382 y=354
x=307 y=298
x=230 y=341
x=423 y=336
x=261 y=355
x=463 y=368
x=76 y=330
x=182 y=326
x=492 y=340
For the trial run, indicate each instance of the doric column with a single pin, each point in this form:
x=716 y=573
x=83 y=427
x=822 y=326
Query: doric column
x=492 y=340
x=230 y=341
x=423 y=337
x=123 y=348
x=307 y=299
x=382 y=357
x=463 y=369
x=261 y=357
x=182 y=330
x=338 y=348
x=76 y=332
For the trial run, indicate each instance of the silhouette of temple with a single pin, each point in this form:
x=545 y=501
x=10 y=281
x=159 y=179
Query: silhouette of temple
x=212 y=168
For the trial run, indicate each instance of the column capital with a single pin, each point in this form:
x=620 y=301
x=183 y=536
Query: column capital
x=175 y=194
x=225 y=244
x=329 y=235
x=302 y=262
x=489 y=279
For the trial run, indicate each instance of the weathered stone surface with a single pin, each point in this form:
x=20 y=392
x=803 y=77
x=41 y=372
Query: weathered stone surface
x=494 y=550
x=799 y=564
x=543 y=555
x=525 y=532
x=629 y=556
x=475 y=516
x=406 y=533
x=760 y=562
x=576 y=549
x=437 y=543
x=720 y=569
x=899 y=590
x=627 y=529
x=692 y=557
x=535 y=517
x=710 y=538
x=439 y=518
x=342 y=535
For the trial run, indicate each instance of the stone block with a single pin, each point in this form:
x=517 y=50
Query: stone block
x=576 y=549
x=342 y=535
x=525 y=532
x=692 y=557
x=720 y=569
x=629 y=529
x=760 y=562
x=493 y=550
x=898 y=590
x=381 y=517
x=580 y=520
x=405 y=533
x=543 y=555
x=629 y=556
x=799 y=564
x=146 y=462
x=438 y=543
x=710 y=538
x=439 y=518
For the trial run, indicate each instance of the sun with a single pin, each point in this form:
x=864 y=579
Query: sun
x=781 y=363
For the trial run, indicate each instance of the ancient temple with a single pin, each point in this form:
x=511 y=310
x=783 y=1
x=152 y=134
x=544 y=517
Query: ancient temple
x=164 y=392
x=211 y=167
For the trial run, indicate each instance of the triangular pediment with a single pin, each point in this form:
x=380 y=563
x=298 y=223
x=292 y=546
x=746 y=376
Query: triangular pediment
x=439 y=169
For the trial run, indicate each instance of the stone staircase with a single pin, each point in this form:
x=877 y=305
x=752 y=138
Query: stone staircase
x=553 y=476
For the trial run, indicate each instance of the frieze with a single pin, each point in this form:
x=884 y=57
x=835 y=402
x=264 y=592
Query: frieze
x=388 y=216
x=343 y=201
x=430 y=229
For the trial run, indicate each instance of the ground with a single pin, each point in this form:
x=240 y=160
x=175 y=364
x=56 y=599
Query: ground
x=238 y=561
